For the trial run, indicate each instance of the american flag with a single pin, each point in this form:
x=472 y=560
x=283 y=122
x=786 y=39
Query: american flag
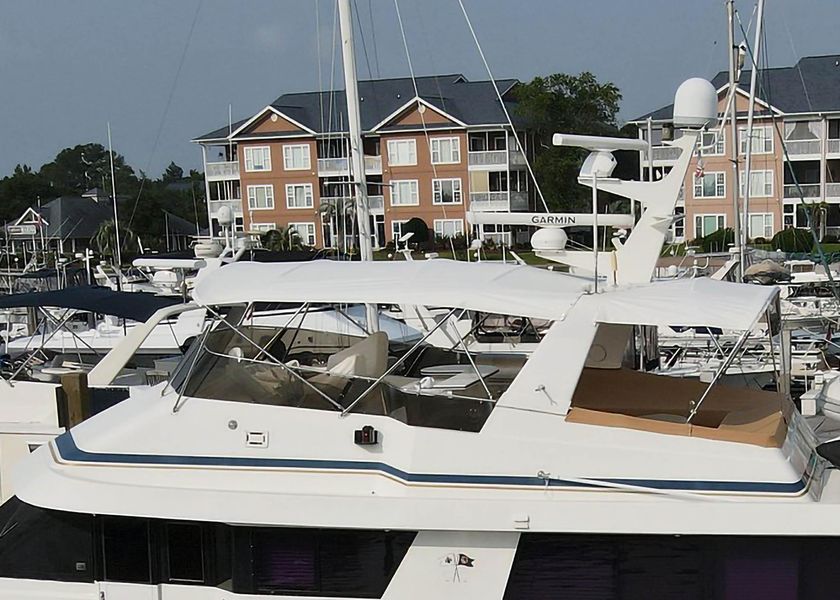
x=700 y=170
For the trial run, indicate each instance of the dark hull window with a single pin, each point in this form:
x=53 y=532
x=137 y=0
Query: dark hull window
x=626 y=567
x=185 y=552
x=125 y=550
x=347 y=563
x=45 y=544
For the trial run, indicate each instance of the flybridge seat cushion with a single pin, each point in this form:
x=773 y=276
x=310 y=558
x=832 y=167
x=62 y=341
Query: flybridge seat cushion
x=633 y=400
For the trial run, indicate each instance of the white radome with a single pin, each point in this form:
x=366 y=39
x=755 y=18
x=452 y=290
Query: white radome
x=695 y=104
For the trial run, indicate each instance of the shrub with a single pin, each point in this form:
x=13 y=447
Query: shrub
x=793 y=240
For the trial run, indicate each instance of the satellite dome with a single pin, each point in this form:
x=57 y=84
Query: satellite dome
x=695 y=104
x=549 y=239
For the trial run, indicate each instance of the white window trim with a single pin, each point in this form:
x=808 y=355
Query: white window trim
x=263 y=227
x=715 y=173
x=768 y=134
x=308 y=160
x=720 y=137
x=412 y=142
x=436 y=202
x=698 y=234
x=307 y=225
x=764 y=216
x=394 y=183
x=290 y=188
x=250 y=150
x=456 y=144
x=399 y=222
x=266 y=186
x=742 y=183
x=444 y=221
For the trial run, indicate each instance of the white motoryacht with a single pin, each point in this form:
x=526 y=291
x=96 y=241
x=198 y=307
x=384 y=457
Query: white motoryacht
x=287 y=463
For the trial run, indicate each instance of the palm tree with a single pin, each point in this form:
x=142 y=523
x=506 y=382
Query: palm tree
x=105 y=238
x=282 y=239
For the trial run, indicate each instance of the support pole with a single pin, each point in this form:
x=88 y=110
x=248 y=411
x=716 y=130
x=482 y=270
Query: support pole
x=756 y=52
x=733 y=150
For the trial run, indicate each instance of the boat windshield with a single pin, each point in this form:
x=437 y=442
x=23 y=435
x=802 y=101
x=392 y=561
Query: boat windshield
x=295 y=364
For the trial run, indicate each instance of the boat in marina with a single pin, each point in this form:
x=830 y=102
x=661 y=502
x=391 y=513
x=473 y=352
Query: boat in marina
x=387 y=459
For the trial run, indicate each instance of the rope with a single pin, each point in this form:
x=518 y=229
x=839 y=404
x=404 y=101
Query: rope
x=502 y=104
x=166 y=110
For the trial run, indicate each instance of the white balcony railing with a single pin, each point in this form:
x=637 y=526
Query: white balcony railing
x=517 y=158
x=341 y=166
x=799 y=147
x=489 y=201
x=235 y=205
x=808 y=190
x=832 y=190
x=218 y=171
x=489 y=158
x=519 y=200
x=665 y=153
x=833 y=147
x=376 y=204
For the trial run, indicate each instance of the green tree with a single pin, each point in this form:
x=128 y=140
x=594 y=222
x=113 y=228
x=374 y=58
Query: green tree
x=173 y=173
x=85 y=166
x=282 y=239
x=105 y=239
x=22 y=189
x=569 y=104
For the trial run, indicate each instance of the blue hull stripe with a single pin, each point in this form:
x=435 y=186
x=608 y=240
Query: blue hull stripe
x=69 y=451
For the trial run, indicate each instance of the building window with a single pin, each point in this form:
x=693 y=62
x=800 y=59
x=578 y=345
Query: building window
x=713 y=143
x=257 y=158
x=261 y=197
x=446 y=191
x=405 y=193
x=710 y=185
x=679 y=223
x=761 y=225
x=396 y=230
x=263 y=227
x=706 y=224
x=496 y=233
x=296 y=157
x=448 y=228
x=446 y=150
x=761 y=184
x=789 y=217
x=299 y=195
x=402 y=153
x=306 y=231
x=762 y=140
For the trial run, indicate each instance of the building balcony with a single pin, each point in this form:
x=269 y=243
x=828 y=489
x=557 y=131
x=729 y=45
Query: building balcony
x=517 y=158
x=832 y=190
x=490 y=159
x=803 y=147
x=220 y=171
x=235 y=205
x=833 y=147
x=808 y=190
x=665 y=153
x=519 y=201
x=376 y=204
x=336 y=167
x=490 y=201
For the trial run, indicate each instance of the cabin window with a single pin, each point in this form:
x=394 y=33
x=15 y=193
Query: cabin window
x=125 y=550
x=45 y=544
x=185 y=552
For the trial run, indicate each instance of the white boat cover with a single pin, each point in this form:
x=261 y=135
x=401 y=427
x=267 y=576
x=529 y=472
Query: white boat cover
x=697 y=302
x=487 y=287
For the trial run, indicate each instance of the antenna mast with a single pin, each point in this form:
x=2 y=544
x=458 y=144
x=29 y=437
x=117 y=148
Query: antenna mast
x=117 y=251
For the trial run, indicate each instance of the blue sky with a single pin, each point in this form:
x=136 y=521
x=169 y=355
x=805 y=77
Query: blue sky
x=69 y=66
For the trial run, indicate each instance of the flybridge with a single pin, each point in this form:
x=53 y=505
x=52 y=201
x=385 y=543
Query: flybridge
x=548 y=219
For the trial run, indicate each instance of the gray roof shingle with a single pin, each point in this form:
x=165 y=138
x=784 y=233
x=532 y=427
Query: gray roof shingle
x=471 y=102
x=812 y=85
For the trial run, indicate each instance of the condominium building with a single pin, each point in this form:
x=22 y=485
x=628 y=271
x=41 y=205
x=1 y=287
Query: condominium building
x=795 y=140
x=432 y=154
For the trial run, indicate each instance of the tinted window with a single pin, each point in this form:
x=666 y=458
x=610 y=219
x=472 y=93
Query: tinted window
x=185 y=552
x=45 y=544
x=125 y=549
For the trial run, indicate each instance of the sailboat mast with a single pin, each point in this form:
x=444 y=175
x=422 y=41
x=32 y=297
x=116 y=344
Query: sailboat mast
x=117 y=251
x=756 y=50
x=357 y=157
x=733 y=149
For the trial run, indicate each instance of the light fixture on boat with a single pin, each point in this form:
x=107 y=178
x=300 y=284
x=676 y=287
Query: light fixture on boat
x=366 y=436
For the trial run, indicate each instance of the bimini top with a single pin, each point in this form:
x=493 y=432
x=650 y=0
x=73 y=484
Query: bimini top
x=137 y=306
x=697 y=302
x=487 y=287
